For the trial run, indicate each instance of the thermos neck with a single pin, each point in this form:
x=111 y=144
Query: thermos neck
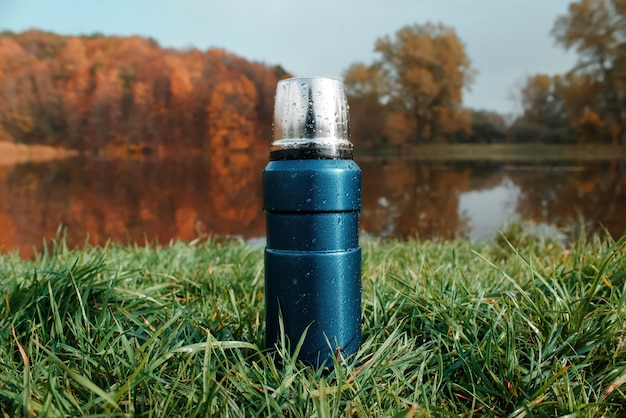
x=312 y=152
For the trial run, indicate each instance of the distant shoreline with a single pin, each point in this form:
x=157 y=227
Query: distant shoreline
x=16 y=153
x=12 y=153
x=497 y=152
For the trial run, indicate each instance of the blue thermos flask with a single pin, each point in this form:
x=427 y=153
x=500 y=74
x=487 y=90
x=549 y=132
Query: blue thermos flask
x=312 y=200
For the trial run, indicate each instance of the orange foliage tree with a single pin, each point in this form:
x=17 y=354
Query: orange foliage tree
x=230 y=113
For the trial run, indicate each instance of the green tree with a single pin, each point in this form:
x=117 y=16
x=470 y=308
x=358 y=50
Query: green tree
x=544 y=118
x=487 y=126
x=419 y=79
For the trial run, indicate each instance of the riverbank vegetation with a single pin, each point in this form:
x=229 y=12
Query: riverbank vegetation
x=521 y=327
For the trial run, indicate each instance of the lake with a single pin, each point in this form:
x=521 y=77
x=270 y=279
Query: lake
x=187 y=198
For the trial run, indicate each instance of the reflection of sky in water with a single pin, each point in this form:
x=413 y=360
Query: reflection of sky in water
x=389 y=222
x=488 y=210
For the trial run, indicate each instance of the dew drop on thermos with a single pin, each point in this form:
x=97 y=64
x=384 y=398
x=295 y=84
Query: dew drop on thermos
x=312 y=200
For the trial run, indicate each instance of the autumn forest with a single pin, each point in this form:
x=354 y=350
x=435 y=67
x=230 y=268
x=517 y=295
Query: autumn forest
x=96 y=93
x=110 y=94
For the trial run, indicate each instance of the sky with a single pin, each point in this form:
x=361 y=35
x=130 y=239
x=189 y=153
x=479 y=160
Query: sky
x=506 y=40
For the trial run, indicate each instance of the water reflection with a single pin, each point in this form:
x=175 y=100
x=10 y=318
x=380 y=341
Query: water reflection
x=594 y=191
x=485 y=210
x=174 y=198
x=404 y=198
x=130 y=201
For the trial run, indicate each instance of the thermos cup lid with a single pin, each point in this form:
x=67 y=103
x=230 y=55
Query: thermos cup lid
x=311 y=113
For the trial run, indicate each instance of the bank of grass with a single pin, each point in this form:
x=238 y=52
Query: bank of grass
x=501 y=152
x=522 y=327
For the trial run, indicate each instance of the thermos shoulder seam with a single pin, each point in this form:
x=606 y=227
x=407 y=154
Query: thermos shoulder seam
x=309 y=253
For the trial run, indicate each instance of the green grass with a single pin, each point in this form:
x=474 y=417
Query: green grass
x=449 y=329
x=502 y=152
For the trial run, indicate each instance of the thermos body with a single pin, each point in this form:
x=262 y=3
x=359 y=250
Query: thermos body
x=312 y=201
x=312 y=258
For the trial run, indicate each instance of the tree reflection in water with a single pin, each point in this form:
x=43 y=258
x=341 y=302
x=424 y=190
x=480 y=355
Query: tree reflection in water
x=594 y=192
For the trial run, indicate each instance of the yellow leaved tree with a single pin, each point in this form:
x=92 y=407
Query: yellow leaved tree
x=416 y=84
